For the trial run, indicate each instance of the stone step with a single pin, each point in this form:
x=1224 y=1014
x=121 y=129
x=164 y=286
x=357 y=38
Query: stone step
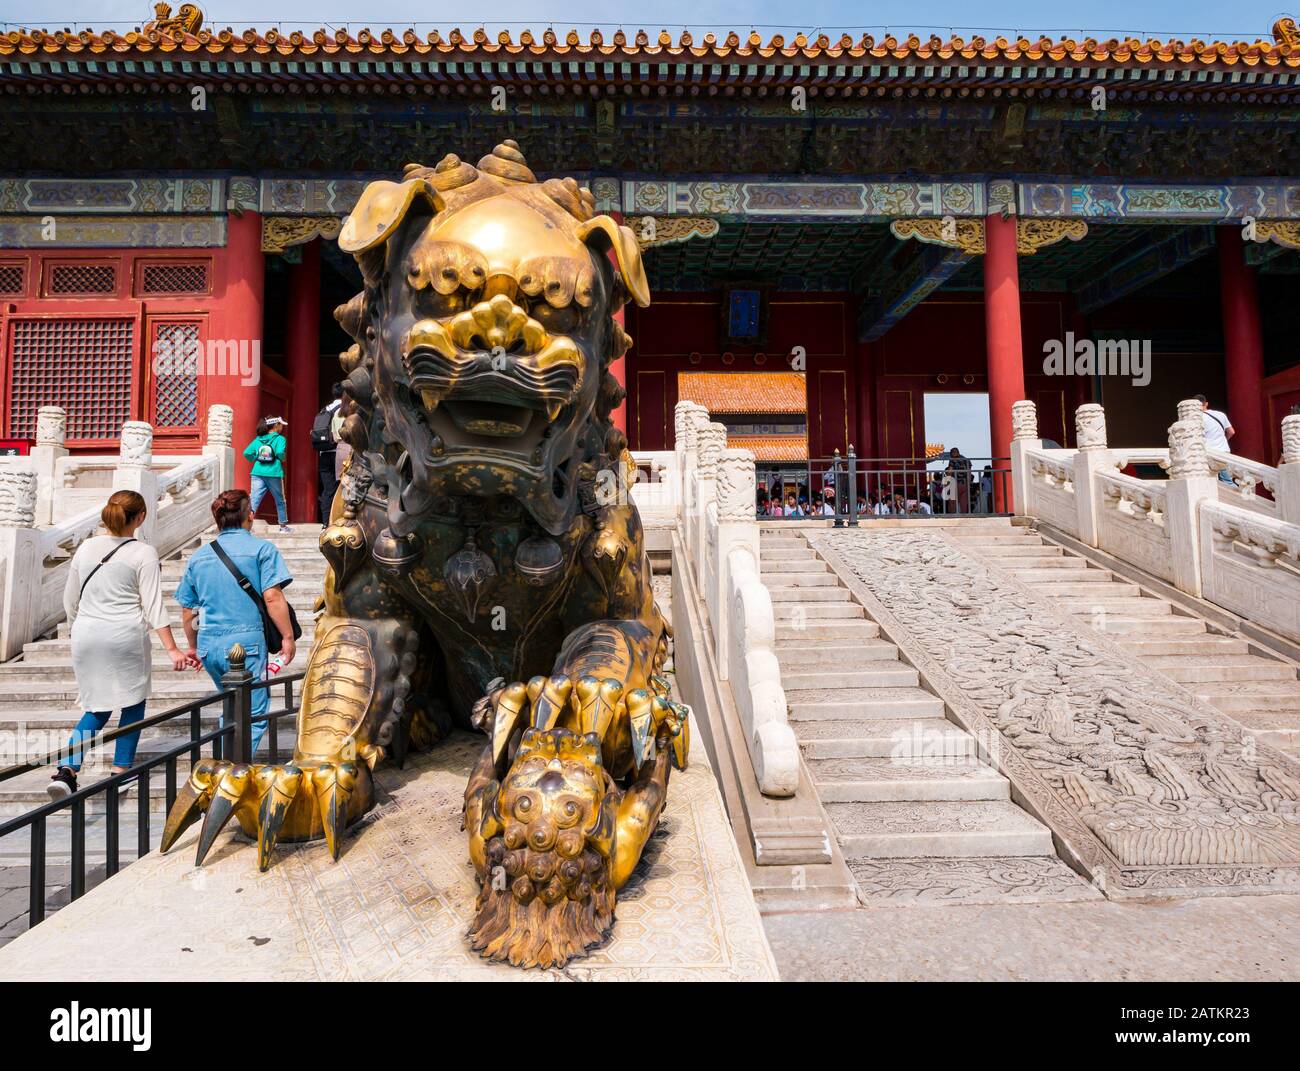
x=1278 y=728
x=1121 y=608
x=814 y=634
x=977 y=538
x=1026 y=550
x=809 y=595
x=947 y=830
x=870 y=675
x=1105 y=589
x=302 y=567
x=1203 y=644
x=1048 y=567
x=810 y=612
x=884 y=780
x=1063 y=574
x=902 y=739
x=881 y=704
x=15 y=849
x=1208 y=668
x=798 y=565
x=1250 y=695
x=834 y=654
x=776 y=577
x=1118 y=625
x=31 y=696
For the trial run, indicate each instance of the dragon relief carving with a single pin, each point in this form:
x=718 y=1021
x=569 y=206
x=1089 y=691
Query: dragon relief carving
x=1158 y=778
x=478 y=576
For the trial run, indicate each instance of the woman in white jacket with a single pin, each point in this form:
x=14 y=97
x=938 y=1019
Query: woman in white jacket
x=113 y=599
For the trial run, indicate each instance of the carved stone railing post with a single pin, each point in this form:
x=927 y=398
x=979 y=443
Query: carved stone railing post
x=710 y=440
x=135 y=472
x=1092 y=457
x=20 y=561
x=1190 y=483
x=1288 y=472
x=218 y=444
x=1024 y=437
x=51 y=437
x=744 y=629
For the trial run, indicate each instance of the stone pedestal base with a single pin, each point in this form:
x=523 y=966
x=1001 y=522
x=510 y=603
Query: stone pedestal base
x=398 y=902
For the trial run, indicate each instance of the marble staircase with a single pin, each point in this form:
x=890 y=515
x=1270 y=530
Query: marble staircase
x=38 y=707
x=1256 y=687
x=897 y=779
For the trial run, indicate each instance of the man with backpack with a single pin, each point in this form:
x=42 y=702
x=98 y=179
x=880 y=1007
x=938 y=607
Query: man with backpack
x=1218 y=430
x=324 y=440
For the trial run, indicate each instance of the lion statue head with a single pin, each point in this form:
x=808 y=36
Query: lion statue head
x=484 y=334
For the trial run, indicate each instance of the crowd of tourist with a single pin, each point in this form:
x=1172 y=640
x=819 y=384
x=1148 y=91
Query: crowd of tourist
x=957 y=488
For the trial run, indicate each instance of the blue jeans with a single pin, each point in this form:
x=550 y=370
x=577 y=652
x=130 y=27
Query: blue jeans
x=1225 y=476
x=274 y=484
x=214 y=650
x=93 y=721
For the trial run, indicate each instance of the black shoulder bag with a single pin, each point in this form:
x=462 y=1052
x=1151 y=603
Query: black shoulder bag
x=102 y=562
x=274 y=640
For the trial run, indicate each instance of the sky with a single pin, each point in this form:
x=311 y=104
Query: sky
x=960 y=420
x=1243 y=20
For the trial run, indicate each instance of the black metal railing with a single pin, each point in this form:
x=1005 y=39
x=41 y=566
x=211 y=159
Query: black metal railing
x=232 y=740
x=850 y=489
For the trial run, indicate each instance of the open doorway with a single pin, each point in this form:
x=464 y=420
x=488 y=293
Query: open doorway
x=958 y=449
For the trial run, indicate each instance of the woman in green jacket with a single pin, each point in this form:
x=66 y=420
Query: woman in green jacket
x=266 y=452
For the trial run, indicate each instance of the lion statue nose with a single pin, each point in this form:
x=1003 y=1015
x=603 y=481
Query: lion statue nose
x=498 y=322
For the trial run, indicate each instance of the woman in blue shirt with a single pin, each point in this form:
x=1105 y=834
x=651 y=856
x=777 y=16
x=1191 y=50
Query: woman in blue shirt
x=266 y=452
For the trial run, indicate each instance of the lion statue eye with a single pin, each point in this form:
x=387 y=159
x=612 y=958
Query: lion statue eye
x=556 y=321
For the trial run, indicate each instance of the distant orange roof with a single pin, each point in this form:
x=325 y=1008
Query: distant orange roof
x=744 y=392
x=933 y=450
x=771 y=447
x=478 y=45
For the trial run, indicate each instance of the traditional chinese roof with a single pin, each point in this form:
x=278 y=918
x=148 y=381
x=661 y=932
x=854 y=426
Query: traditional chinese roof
x=744 y=392
x=840 y=61
x=771 y=447
x=933 y=450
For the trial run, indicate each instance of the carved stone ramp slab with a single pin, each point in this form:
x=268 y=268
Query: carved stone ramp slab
x=398 y=903
x=1146 y=788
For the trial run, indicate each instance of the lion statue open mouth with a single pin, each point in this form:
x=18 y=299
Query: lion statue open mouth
x=486 y=564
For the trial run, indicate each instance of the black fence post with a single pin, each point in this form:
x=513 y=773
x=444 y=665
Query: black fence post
x=853 y=487
x=239 y=704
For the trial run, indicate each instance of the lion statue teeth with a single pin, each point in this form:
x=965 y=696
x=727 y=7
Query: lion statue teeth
x=481 y=574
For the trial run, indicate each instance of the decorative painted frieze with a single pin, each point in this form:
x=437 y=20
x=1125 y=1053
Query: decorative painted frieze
x=670 y=230
x=967 y=235
x=124 y=231
x=837 y=199
x=1163 y=203
x=152 y=196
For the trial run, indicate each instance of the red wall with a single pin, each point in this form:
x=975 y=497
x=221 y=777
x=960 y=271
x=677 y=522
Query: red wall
x=869 y=394
x=680 y=333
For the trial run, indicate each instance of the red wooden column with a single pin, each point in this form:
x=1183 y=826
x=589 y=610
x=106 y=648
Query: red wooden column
x=1243 y=345
x=1006 y=362
x=302 y=362
x=238 y=322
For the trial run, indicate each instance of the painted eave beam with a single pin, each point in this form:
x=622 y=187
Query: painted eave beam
x=1145 y=265
x=917 y=281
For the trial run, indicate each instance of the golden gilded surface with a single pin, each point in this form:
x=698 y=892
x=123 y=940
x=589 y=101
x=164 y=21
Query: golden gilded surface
x=968 y=234
x=1285 y=233
x=281 y=232
x=486 y=565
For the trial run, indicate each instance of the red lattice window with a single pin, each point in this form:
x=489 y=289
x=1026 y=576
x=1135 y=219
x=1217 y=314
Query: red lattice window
x=82 y=279
x=83 y=365
x=175 y=362
x=174 y=278
x=12 y=279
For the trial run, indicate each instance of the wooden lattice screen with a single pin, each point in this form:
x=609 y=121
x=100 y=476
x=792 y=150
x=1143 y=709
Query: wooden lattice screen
x=177 y=361
x=82 y=364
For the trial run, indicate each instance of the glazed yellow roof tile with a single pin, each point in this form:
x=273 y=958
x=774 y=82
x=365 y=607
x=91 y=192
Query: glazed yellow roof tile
x=771 y=447
x=271 y=43
x=744 y=392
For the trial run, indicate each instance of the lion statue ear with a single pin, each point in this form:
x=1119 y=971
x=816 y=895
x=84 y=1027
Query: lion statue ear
x=380 y=209
x=602 y=234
